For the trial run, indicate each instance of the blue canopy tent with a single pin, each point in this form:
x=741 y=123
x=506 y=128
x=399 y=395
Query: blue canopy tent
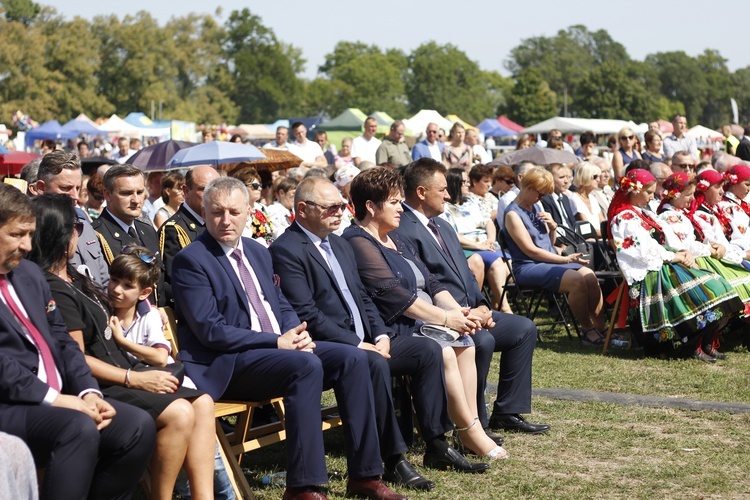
x=48 y=130
x=81 y=127
x=490 y=127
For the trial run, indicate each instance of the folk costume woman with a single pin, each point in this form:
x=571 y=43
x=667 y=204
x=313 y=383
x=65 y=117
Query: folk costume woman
x=734 y=207
x=673 y=303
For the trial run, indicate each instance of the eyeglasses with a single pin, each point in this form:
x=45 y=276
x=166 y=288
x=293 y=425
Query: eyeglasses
x=685 y=166
x=255 y=185
x=628 y=137
x=329 y=210
x=146 y=258
x=466 y=183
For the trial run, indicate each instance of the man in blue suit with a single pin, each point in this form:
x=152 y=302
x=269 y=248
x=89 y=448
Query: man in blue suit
x=431 y=147
x=319 y=276
x=89 y=447
x=514 y=336
x=240 y=339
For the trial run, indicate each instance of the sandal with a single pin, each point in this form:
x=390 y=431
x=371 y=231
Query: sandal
x=597 y=342
x=496 y=453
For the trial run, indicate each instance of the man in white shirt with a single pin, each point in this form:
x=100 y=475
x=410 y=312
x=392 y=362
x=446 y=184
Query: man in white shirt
x=282 y=134
x=124 y=152
x=309 y=151
x=679 y=140
x=365 y=146
x=480 y=154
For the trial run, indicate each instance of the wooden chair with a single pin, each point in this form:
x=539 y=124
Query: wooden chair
x=244 y=437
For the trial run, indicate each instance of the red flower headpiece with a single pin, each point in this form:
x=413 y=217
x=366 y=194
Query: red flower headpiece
x=737 y=174
x=675 y=184
x=708 y=178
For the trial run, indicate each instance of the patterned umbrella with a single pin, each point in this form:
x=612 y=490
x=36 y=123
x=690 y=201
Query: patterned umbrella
x=154 y=158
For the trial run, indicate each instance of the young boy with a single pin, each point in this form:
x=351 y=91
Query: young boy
x=136 y=325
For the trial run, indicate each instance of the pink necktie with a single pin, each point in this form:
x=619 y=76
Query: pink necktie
x=41 y=344
x=252 y=293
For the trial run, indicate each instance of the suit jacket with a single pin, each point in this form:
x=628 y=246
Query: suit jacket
x=212 y=310
x=308 y=282
x=19 y=358
x=743 y=149
x=169 y=241
x=89 y=252
x=549 y=204
x=422 y=149
x=116 y=239
x=454 y=273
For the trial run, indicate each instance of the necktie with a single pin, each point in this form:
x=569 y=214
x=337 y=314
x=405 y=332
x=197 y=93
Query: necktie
x=41 y=344
x=563 y=212
x=433 y=227
x=338 y=273
x=252 y=293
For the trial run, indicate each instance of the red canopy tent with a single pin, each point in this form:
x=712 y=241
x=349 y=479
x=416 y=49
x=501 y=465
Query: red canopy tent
x=12 y=162
x=508 y=123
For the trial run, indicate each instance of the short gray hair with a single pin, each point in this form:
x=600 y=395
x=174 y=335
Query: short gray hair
x=225 y=186
x=55 y=162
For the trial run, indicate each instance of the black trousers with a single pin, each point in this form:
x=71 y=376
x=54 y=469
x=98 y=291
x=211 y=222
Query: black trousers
x=80 y=461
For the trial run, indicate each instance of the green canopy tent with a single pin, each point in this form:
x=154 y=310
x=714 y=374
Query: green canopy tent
x=349 y=123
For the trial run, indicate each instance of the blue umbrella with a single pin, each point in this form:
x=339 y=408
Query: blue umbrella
x=215 y=153
x=3 y=149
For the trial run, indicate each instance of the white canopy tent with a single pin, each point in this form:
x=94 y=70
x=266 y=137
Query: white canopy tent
x=699 y=131
x=117 y=126
x=580 y=125
x=418 y=123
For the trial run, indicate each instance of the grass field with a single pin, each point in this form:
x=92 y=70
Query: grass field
x=597 y=450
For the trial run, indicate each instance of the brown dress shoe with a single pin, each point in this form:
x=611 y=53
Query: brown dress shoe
x=373 y=488
x=304 y=493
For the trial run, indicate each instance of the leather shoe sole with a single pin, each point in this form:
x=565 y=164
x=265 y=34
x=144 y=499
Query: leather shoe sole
x=403 y=474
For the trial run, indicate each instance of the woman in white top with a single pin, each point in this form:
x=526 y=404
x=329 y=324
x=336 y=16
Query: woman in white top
x=586 y=179
x=281 y=211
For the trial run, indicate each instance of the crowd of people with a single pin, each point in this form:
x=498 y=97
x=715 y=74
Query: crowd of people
x=364 y=263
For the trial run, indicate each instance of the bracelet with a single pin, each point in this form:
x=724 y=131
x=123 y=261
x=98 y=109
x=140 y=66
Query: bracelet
x=445 y=323
x=127 y=378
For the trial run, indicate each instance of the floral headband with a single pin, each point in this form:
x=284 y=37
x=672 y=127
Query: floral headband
x=634 y=181
x=708 y=178
x=737 y=174
x=675 y=184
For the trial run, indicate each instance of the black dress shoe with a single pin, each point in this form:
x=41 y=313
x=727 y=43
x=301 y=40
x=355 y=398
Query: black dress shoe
x=497 y=438
x=451 y=459
x=403 y=474
x=516 y=423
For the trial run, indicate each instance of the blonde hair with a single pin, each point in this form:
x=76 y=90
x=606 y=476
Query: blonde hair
x=539 y=179
x=585 y=171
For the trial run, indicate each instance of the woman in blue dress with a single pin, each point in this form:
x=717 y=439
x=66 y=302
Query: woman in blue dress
x=530 y=236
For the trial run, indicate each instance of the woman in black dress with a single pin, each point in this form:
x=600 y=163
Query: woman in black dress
x=184 y=417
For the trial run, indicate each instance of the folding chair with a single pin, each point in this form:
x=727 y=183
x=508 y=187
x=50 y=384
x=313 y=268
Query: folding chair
x=526 y=301
x=620 y=292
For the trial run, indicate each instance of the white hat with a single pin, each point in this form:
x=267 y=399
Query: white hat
x=344 y=175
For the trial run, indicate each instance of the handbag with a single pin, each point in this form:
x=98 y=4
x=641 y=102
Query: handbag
x=574 y=243
x=176 y=369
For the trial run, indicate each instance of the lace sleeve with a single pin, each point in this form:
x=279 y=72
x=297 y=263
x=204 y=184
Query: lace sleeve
x=637 y=252
x=381 y=282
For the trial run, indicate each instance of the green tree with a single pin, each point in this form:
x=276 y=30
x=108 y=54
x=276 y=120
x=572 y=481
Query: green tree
x=611 y=91
x=443 y=78
x=326 y=97
x=681 y=80
x=531 y=100
x=23 y=11
x=376 y=78
x=264 y=85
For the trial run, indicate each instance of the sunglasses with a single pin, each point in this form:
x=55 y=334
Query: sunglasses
x=146 y=258
x=329 y=210
x=685 y=166
x=255 y=185
x=507 y=181
x=432 y=131
x=628 y=137
x=78 y=226
x=595 y=176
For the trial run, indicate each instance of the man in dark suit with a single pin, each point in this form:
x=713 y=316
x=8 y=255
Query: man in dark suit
x=319 y=277
x=48 y=396
x=240 y=339
x=60 y=172
x=513 y=336
x=119 y=225
x=187 y=224
x=558 y=204
x=743 y=148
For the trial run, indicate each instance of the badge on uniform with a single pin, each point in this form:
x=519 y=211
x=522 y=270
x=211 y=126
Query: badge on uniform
x=51 y=306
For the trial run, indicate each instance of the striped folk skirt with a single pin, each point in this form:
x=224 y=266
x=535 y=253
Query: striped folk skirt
x=676 y=302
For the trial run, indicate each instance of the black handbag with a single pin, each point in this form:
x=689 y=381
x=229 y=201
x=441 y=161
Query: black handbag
x=176 y=369
x=575 y=243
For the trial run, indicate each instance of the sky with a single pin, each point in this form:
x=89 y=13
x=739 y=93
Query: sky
x=486 y=30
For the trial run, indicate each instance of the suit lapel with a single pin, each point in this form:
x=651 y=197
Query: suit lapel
x=315 y=254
